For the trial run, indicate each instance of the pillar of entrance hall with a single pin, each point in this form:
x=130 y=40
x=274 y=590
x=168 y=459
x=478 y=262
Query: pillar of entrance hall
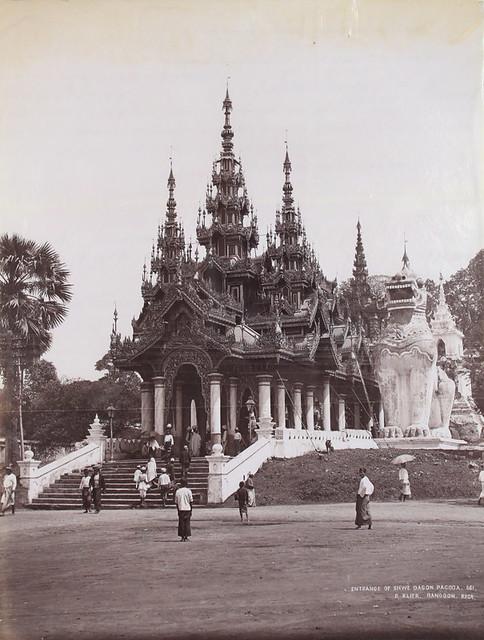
x=265 y=415
x=215 y=380
x=326 y=405
x=233 y=388
x=179 y=435
x=281 y=405
x=310 y=407
x=147 y=406
x=356 y=420
x=297 y=390
x=341 y=413
x=159 y=396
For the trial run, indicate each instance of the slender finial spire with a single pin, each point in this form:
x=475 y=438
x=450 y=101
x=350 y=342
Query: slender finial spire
x=115 y=320
x=405 y=258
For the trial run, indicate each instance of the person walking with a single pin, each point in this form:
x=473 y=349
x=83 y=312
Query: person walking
x=85 y=488
x=168 y=441
x=184 y=502
x=164 y=484
x=404 y=483
x=242 y=497
x=249 y=485
x=365 y=490
x=136 y=476
x=481 y=480
x=8 y=494
x=143 y=486
x=185 y=460
x=170 y=470
x=98 y=485
x=195 y=443
x=151 y=471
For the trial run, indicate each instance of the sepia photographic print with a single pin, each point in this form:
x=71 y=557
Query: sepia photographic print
x=241 y=319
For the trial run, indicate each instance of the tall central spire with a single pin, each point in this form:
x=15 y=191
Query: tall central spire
x=287 y=200
x=227 y=203
x=171 y=202
x=227 y=133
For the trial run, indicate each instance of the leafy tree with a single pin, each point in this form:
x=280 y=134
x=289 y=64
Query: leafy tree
x=34 y=292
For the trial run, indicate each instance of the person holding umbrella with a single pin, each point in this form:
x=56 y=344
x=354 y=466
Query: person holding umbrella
x=403 y=475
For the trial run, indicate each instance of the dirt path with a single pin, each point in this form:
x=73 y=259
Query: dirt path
x=299 y=571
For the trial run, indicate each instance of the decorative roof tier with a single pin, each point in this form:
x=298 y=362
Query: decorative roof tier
x=227 y=203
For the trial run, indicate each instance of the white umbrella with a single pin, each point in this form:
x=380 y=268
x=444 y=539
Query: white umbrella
x=404 y=457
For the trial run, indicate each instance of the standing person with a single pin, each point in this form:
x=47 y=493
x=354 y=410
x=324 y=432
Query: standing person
x=164 y=484
x=184 y=501
x=143 y=486
x=249 y=485
x=85 y=488
x=238 y=442
x=170 y=470
x=153 y=447
x=195 y=443
x=151 y=471
x=224 y=438
x=208 y=445
x=98 y=485
x=185 y=460
x=8 y=495
x=481 y=480
x=404 y=483
x=188 y=436
x=365 y=490
x=136 y=476
x=168 y=441
x=242 y=497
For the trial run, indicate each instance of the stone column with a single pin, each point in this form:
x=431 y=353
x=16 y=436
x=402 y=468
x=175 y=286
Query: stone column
x=265 y=415
x=159 y=383
x=179 y=435
x=281 y=404
x=147 y=406
x=215 y=380
x=357 y=415
x=341 y=413
x=233 y=383
x=297 y=405
x=310 y=407
x=326 y=405
x=381 y=415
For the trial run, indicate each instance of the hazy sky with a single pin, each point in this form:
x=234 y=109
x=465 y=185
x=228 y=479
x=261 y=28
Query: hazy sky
x=381 y=100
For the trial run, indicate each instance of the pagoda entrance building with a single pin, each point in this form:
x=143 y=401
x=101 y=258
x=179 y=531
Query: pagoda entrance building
x=235 y=332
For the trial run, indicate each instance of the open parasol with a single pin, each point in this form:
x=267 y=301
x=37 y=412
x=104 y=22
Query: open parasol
x=404 y=457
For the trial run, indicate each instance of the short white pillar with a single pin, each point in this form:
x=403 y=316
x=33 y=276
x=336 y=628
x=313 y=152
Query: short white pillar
x=159 y=384
x=326 y=405
x=356 y=424
x=341 y=413
x=310 y=407
x=281 y=405
x=297 y=405
x=381 y=415
x=265 y=415
x=215 y=380
x=28 y=474
x=147 y=406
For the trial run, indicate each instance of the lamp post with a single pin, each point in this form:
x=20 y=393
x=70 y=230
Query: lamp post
x=111 y=411
x=250 y=404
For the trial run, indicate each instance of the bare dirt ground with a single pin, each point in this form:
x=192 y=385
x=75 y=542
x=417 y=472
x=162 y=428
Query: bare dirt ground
x=300 y=571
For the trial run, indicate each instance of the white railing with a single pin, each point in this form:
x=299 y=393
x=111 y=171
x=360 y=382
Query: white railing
x=224 y=473
x=290 y=443
x=35 y=478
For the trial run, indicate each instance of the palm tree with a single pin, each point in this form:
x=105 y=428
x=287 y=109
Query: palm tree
x=34 y=293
